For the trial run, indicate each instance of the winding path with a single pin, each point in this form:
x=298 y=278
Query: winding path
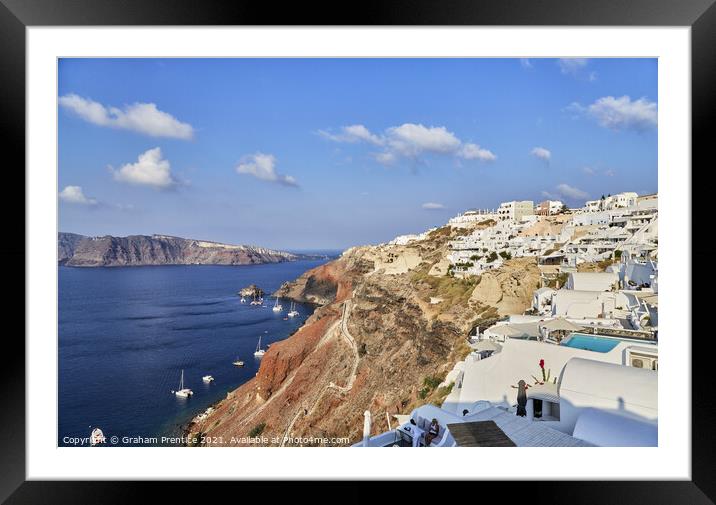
x=345 y=333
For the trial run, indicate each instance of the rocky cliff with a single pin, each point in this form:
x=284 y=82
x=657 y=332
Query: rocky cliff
x=385 y=334
x=135 y=250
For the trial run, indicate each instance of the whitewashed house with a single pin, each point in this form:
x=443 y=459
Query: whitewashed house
x=592 y=281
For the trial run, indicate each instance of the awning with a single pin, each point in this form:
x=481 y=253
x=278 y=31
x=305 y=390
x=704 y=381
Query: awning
x=561 y=324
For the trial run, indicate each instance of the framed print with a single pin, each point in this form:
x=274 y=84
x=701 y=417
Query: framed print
x=266 y=246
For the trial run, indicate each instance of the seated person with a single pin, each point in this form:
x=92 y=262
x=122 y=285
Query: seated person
x=433 y=432
x=416 y=431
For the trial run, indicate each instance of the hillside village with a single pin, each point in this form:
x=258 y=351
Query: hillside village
x=538 y=310
x=586 y=349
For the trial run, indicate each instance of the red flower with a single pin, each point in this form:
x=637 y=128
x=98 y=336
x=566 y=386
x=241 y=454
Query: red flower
x=541 y=363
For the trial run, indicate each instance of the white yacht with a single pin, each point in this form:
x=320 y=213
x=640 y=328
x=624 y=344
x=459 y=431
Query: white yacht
x=259 y=352
x=243 y=300
x=277 y=306
x=183 y=392
x=255 y=301
x=293 y=312
x=97 y=437
x=207 y=379
x=238 y=362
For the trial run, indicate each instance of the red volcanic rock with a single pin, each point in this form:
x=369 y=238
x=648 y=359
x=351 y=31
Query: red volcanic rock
x=286 y=356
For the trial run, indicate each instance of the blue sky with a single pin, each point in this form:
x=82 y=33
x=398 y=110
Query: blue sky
x=329 y=153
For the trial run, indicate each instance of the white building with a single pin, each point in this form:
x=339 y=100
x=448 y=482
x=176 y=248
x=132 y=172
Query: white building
x=592 y=281
x=407 y=239
x=590 y=398
x=515 y=210
x=593 y=205
x=549 y=207
x=473 y=216
x=583 y=304
x=542 y=300
x=621 y=200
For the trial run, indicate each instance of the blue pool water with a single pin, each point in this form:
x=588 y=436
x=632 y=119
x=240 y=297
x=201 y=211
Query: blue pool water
x=125 y=335
x=591 y=342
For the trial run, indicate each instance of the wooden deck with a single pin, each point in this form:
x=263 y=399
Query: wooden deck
x=522 y=432
x=479 y=434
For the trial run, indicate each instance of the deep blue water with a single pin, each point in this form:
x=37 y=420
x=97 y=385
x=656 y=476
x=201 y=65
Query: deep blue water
x=125 y=334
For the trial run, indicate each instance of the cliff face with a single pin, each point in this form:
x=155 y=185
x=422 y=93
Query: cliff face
x=135 y=250
x=508 y=287
x=370 y=346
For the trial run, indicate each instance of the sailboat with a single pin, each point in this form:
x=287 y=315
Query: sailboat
x=259 y=352
x=97 y=437
x=293 y=312
x=238 y=362
x=183 y=392
x=277 y=306
x=255 y=301
x=243 y=299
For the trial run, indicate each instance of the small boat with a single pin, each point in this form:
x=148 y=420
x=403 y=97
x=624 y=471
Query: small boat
x=243 y=300
x=277 y=307
x=293 y=312
x=238 y=362
x=207 y=378
x=183 y=392
x=255 y=301
x=259 y=352
x=97 y=437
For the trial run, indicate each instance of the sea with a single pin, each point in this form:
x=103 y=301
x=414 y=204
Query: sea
x=127 y=333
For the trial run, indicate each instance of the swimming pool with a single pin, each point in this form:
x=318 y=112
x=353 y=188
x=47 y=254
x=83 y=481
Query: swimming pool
x=591 y=342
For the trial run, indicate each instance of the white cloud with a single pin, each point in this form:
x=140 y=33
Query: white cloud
x=588 y=170
x=541 y=153
x=475 y=152
x=410 y=140
x=433 y=206
x=413 y=139
x=143 y=118
x=572 y=66
x=263 y=166
x=619 y=113
x=74 y=194
x=526 y=63
x=352 y=134
x=576 y=67
x=385 y=158
x=610 y=172
x=149 y=170
x=622 y=113
x=571 y=192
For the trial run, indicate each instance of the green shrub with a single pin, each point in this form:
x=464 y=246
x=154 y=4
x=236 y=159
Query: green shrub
x=431 y=381
x=257 y=430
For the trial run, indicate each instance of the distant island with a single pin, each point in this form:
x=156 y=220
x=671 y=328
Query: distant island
x=138 y=250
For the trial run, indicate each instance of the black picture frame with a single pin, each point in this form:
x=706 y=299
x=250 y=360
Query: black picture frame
x=16 y=15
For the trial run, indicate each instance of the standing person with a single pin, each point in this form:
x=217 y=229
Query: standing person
x=521 y=398
x=433 y=432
